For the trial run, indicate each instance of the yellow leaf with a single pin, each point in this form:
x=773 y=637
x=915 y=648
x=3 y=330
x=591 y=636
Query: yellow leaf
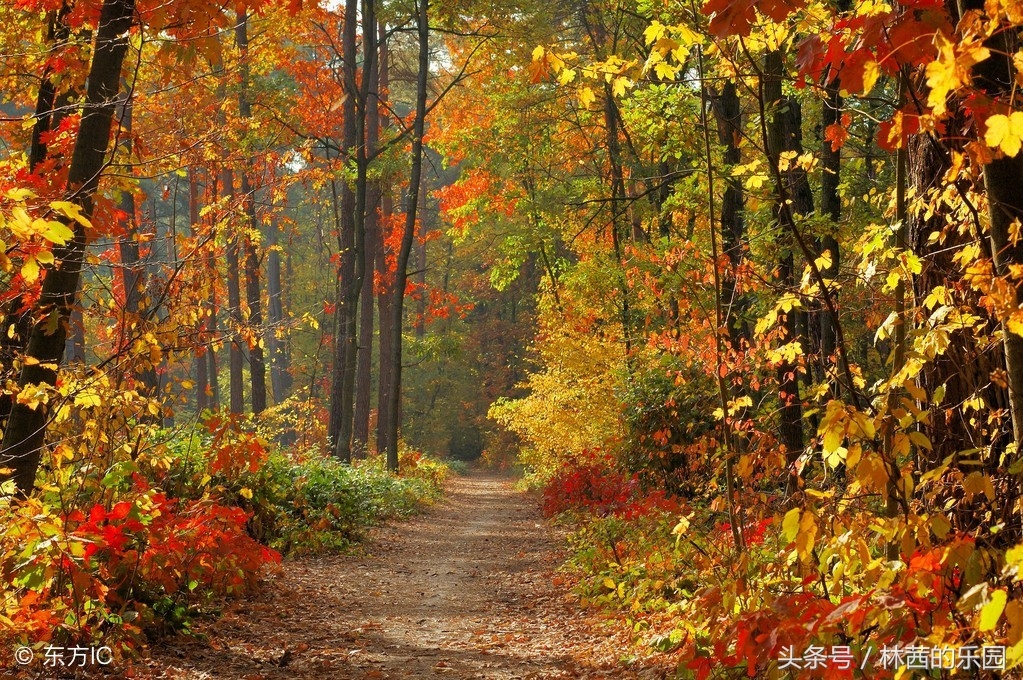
x=57 y=232
x=807 y=535
x=790 y=525
x=1005 y=132
x=566 y=76
x=992 y=611
x=586 y=97
x=871 y=72
x=653 y=32
x=620 y=85
x=30 y=269
x=245 y=492
x=538 y=52
x=664 y=71
x=951 y=69
x=20 y=195
x=69 y=209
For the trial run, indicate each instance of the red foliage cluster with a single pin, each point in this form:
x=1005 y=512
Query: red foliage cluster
x=111 y=566
x=594 y=485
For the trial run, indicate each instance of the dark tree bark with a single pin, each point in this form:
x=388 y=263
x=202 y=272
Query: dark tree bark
x=133 y=272
x=1003 y=179
x=385 y=303
x=236 y=358
x=364 y=370
x=253 y=290
x=782 y=125
x=345 y=338
x=353 y=219
x=728 y=116
x=202 y=375
x=26 y=428
x=280 y=372
x=407 y=237
x=421 y=253
x=385 y=294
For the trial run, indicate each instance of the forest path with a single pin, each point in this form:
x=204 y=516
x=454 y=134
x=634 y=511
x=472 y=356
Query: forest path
x=467 y=590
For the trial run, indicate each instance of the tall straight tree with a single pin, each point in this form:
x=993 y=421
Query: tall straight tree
x=791 y=194
x=364 y=370
x=26 y=427
x=353 y=219
x=385 y=294
x=253 y=291
x=408 y=235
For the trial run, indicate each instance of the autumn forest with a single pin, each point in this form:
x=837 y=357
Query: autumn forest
x=733 y=288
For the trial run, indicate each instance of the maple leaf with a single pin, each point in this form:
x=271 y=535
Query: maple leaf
x=1005 y=132
x=951 y=70
x=730 y=18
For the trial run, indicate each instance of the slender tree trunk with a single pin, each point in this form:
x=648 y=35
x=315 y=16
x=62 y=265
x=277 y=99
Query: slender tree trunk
x=257 y=366
x=133 y=272
x=728 y=114
x=280 y=373
x=364 y=370
x=782 y=122
x=385 y=302
x=401 y=274
x=236 y=358
x=421 y=252
x=385 y=294
x=831 y=206
x=26 y=428
x=202 y=375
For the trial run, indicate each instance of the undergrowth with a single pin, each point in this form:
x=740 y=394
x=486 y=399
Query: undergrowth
x=117 y=553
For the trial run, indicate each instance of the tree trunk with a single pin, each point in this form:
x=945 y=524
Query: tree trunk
x=1003 y=179
x=26 y=428
x=831 y=206
x=236 y=359
x=202 y=375
x=728 y=115
x=133 y=273
x=280 y=373
x=421 y=306
x=257 y=366
x=364 y=370
x=385 y=294
x=782 y=124
x=401 y=273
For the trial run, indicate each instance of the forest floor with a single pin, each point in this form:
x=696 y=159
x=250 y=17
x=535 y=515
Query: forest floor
x=470 y=589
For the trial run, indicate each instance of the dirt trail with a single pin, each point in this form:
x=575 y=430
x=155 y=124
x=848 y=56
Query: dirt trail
x=466 y=591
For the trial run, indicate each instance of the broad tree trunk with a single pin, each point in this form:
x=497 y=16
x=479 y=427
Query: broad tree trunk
x=26 y=429
x=1003 y=179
